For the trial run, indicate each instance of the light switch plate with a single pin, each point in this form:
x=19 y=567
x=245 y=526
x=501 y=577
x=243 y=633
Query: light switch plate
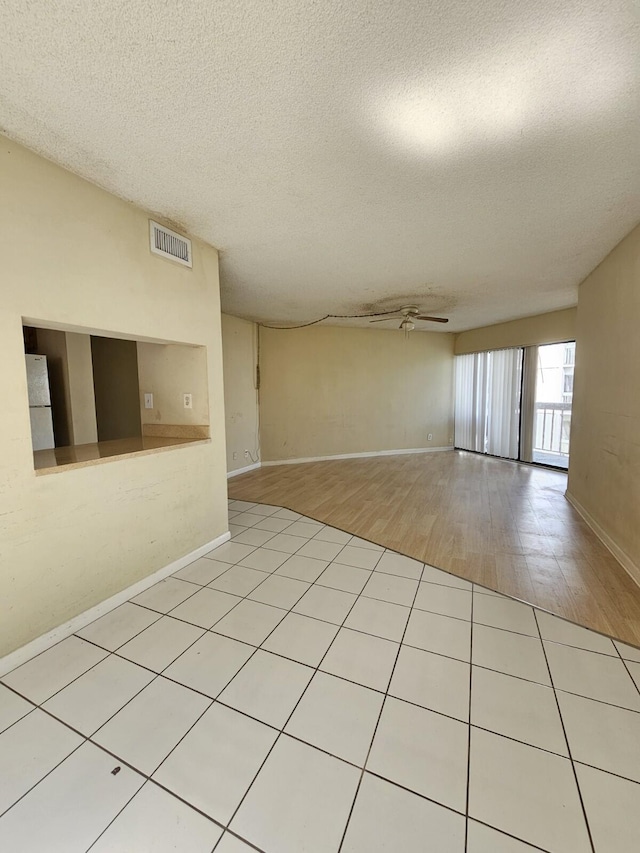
x=148 y=401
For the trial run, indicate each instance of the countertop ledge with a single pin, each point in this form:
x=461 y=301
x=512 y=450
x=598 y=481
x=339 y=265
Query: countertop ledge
x=87 y=455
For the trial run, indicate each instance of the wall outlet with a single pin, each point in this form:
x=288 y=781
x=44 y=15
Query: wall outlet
x=148 y=401
x=246 y=454
x=430 y=437
x=188 y=401
x=235 y=454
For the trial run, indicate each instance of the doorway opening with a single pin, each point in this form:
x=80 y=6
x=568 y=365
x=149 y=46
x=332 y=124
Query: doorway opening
x=552 y=404
x=516 y=403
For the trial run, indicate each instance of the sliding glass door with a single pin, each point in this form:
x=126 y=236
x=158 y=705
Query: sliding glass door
x=552 y=404
x=516 y=403
x=488 y=402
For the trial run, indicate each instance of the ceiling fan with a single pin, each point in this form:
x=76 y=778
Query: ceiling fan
x=408 y=315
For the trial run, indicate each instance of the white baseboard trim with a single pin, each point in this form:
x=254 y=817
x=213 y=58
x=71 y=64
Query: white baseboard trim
x=631 y=568
x=42 y=643
x=244 y=470
x=356 y=455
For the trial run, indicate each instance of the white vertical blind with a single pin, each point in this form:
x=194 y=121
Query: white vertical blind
x=467 y=434
x=503 y=402
x=528 y=402
x=487 y=417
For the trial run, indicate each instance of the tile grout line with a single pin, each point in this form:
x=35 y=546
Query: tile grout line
x=235 y=835
x=625 y=664
x=256 y=649
x=109 y=652
x=490 y=592
x=337 y=589
x=48 y=773
x=148 y=778
x=210 y=630
x=290 y=610
x=359 y=630
x=116 y=816
x=215 y=699
x=295 y=737
x=89 y=738
x=206 y=696
x=375 y=729
x=138 y=771
x=413 y=705
x=466 y=823
x=162 y=671
x=281 y=731
x=212 y=701
x=564 y=730
x=149 y=781
x=506 y=630
x=156 y=676
x=476 y=583
x=540 y=639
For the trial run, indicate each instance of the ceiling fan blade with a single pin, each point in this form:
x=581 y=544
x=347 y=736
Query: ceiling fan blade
x=384 y=319
x=431 y=319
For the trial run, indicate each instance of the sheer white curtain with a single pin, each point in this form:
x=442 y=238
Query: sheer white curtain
x=487 y=417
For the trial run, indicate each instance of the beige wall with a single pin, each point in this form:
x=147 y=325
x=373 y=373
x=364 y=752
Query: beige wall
x=327 y=391
x=169 y=372
x=604 y=475
x=77 y=258
x=84 y=429
x=549 y=328
x=239 y=347
x=115 y=386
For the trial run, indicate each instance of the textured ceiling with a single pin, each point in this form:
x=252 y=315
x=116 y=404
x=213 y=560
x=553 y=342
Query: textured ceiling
x=475 y=157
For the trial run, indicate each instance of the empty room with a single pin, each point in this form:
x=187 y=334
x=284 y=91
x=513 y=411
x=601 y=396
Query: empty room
x=320 y=483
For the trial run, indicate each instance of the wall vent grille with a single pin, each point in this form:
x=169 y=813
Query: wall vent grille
x=168 y=244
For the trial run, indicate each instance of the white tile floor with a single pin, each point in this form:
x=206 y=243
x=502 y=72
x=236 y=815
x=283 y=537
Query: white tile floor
x=300 y=689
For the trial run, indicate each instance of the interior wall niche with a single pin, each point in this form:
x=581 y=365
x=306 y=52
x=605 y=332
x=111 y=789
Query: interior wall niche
x=99 y=393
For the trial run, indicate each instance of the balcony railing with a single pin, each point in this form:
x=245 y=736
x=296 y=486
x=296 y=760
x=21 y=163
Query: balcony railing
x=552 y=428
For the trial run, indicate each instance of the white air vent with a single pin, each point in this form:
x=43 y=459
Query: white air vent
x=168 y=244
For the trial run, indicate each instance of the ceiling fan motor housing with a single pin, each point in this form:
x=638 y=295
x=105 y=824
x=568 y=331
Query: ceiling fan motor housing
x=408 y=314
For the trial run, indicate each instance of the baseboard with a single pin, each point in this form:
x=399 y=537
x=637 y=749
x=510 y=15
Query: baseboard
x=631 y=568
x=40 y=644
x=355 y=455
x=244 y=470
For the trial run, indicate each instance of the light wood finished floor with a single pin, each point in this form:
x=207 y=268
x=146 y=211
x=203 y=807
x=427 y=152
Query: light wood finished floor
x=501 y=524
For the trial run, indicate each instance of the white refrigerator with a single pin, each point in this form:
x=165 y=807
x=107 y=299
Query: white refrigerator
x=39 y=402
